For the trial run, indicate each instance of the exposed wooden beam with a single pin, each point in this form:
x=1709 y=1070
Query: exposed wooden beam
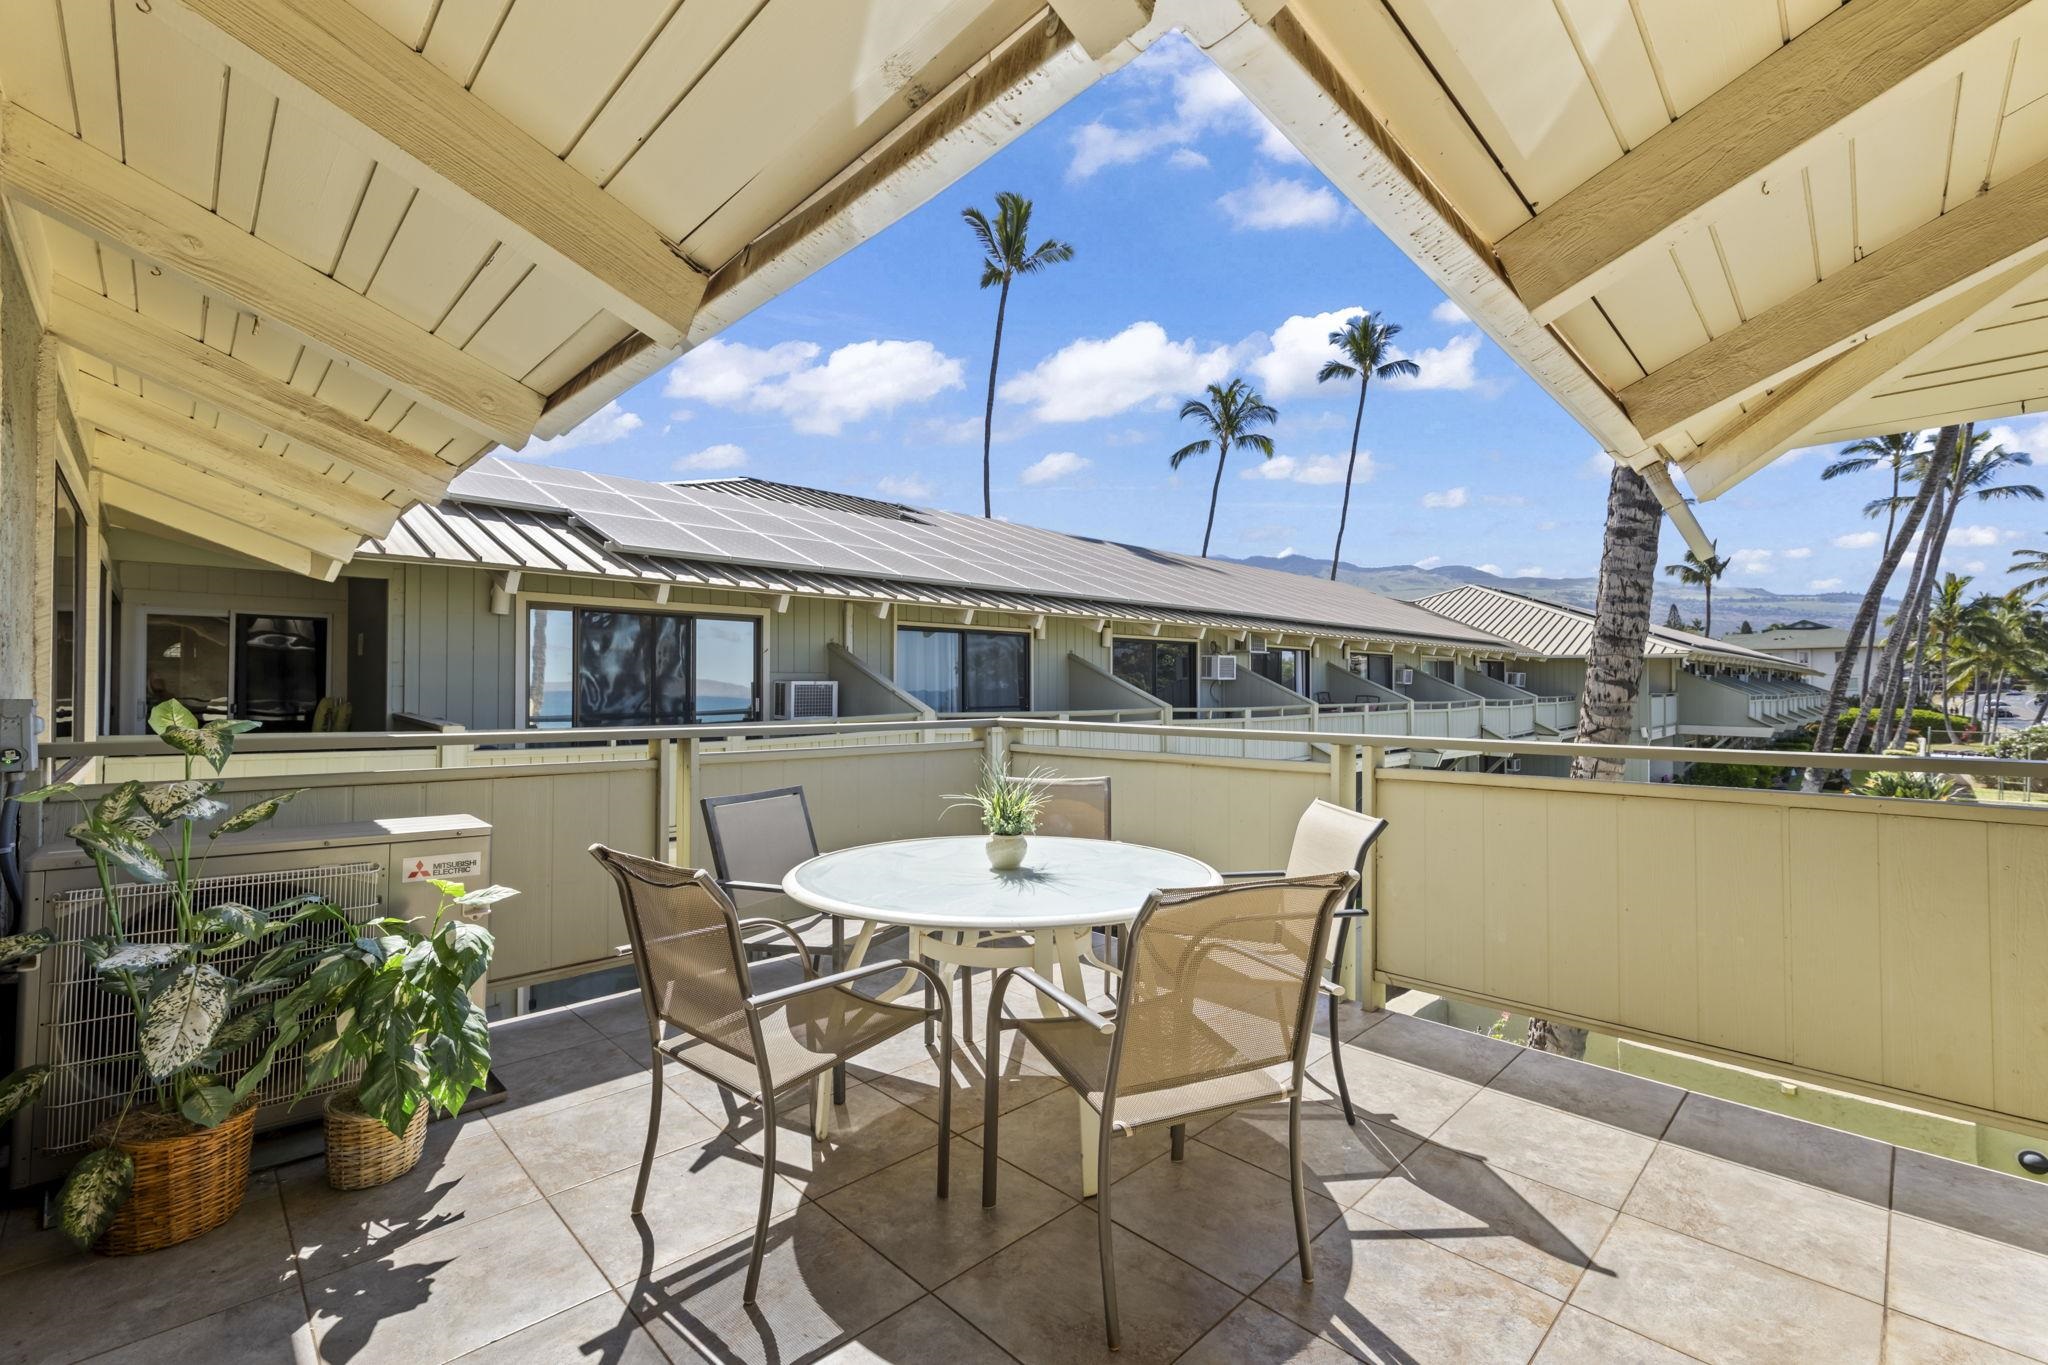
x=1771 y=113
x=70 y=179
x=120 y=413
x=121 y=336
x=211 y=527
x=421 y=122
x=223 y=493
x=1782 y=421
x=1957 y=251
x=1099 y=25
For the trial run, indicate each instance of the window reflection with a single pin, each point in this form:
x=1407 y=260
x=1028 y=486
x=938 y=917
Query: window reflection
x=592 y=666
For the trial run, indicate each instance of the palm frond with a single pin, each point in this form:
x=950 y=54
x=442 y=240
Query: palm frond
x=1199 y=410
x=1187 y=452
x=1855 y=466
x=1407 y=369
x=1257 y=441
x=1335 y=369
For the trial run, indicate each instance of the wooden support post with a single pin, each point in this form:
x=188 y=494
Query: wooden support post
x=996 y=742
x=684 y=799
x=1363 y=986
x=663 y=754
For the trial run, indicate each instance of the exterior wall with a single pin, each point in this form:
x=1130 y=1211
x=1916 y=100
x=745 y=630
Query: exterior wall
x=20 y=340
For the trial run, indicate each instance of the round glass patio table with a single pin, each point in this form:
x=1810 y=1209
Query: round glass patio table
x=943 y=891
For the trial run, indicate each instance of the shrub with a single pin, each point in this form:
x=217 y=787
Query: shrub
x=1751 y=775
x=1923 y=722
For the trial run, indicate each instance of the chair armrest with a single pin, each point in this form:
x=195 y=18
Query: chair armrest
x=768 y=999
x=1050 y=992
x=775 y=887
x=1352 y=912
x=1269 y=872
x=1329 y=987
x=803 y=949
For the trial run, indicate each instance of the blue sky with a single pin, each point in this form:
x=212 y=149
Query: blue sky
x=1204 y=248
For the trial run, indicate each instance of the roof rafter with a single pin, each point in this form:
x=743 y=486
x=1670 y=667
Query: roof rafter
x=182 y=518
x=68 y=178
x=121 y=336
x=418 y=119
x=1969 y=244
x=1800 y=94
x=120 y=413
x=222 y=493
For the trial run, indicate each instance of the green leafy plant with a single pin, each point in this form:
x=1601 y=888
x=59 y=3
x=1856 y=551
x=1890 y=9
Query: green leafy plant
x=1913 y=786
x=400 y=1007
x=23 y=1085
x=1746 y=775
x=1006 y=804
x=207 y=991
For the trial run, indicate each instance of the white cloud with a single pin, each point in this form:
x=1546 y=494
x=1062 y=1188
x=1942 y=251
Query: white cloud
x=1204 y=101
x=1857 y=540
x=854 y=382
x=1449 y=314
x=1267 y=204
x=1751 y=563
x=1824 y=584
x=1100 y=377
x=1799 y=552
x=1054 y=467
x=722 y=456
x=909 y=487
x=1315 y=469
x=1598 y=465
x=609 y=423
x=1187 y=159
x=1448 y=366
x=1974 y=536
x=1493 y=569
x=1429 y=561
x=1297 y=348
x=1449 y=497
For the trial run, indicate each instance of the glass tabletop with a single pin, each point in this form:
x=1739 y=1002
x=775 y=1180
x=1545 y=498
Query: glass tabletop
x=947 y=883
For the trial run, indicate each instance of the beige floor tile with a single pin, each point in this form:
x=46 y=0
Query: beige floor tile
x=820 y=1288
x=564 y=1147
x=1828 y=1158
x=1221 y=1215
x=1909 y=1341
x=1393 y=1094
x=1579 y=1338
x=869 y=1132
x=437 y=1298
x=76 y=1304
x=925 y=1331
x=1044 y=1138
x=466 y=1175
x=1255 y=1333
x=918 y=1084
x=265 y=1331
x=599 y=1329
x=574 y=1075
x=613 y=1015
x=1342 y=1160
x=1717 y=1305
x=1520 y=1227
x=1593 y=1092
x=528 y=1036
x=897 y=1211
x=1563 y=1150
x=695 y=1197
x=2005 y=1208
x=1437 y=1047
x=1386 y=1296
x=1981 y=1288
x=1040 y=1299
x=1812 y=1232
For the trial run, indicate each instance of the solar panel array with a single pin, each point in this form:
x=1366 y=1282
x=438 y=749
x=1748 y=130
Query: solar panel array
x=703 y=521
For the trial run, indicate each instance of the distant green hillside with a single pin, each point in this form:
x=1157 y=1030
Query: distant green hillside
x=1734 y=603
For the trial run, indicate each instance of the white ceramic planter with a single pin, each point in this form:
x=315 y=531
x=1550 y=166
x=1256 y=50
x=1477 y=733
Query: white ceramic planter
x=1005 y=852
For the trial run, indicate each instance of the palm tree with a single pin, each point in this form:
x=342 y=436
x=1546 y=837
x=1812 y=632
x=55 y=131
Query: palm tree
x=2030 y=561
x=1891 y=453
x=1005 y=254
x=1695 y=572
x=1229 y=416
x=1947 y=616
x=1365 y=347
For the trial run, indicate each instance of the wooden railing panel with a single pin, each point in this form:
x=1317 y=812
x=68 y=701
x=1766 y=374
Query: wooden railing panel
x=1836 y=942
x=856 y=795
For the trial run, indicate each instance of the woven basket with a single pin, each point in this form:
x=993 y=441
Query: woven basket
x=361 y=1151
x=185 y=1184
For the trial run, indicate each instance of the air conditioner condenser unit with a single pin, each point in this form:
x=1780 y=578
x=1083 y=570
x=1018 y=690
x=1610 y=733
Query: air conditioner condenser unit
x=1219 y=668
x=810 y=699
x=1518 y=680
x=1404 y=677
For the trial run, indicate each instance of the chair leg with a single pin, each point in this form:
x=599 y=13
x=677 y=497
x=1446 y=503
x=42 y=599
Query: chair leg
x=931 y=1000
x=1105 y=1233
x=945 y=1098
x=1179 y=1134
x=839 y=965
x=821 y=1112
x=991 y=1110
x=767 y=1198
x=1091 y=1134
x=966 y=996
x=1336 y=1045
x=653 y=1129
x=1308 y=1265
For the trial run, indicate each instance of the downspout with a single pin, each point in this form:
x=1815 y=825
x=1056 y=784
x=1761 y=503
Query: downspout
x=1656 y=472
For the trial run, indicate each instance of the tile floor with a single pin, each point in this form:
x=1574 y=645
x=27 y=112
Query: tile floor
x=1491 y=1204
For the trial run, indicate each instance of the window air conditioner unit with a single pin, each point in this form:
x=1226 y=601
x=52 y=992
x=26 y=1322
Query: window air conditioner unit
x=810 y=699
x=1219 y=668
x=1256 y=644
x=1518 y=680
x=1513 y=765
x=1404 y=677
x=366 y=869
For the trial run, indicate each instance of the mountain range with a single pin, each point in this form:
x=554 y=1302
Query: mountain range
x=1734 y=603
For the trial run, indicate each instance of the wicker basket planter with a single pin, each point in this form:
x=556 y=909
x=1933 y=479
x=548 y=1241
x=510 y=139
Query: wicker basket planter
x=361 y=1152
x=187 y=1182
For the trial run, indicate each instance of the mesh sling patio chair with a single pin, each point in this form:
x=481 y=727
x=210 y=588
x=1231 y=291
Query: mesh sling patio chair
x=689 y=951
x=1330 y=838
x=1214 y=1012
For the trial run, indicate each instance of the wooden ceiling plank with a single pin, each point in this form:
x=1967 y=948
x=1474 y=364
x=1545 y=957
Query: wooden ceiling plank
x=1920 y=270
x=224 y=495
x=1799 y=94
x=411 y=114
x=120 y=336
x=208 y=524
x=122 y=414
x=63 y=176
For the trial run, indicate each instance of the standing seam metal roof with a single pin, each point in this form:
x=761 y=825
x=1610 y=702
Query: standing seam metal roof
x=1557 y=631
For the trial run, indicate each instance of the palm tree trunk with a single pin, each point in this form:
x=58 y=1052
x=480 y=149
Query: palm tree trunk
x=1710 y=601
x=1621 y=621
x=1891 y=518
x=1898 y=685
x=1344 y=514
x=1948 y=720
x=1215 y=491
x=988 y=416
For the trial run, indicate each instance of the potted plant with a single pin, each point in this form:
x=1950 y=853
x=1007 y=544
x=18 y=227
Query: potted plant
x=199 y=982
x=1008 y=807
x=402 y=1007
